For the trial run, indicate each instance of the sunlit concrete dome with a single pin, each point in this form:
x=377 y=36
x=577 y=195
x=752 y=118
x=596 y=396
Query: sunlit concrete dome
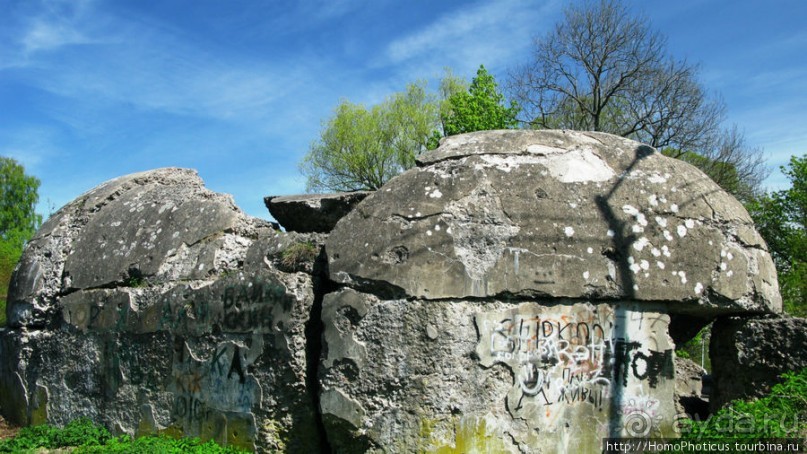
x=557 y=214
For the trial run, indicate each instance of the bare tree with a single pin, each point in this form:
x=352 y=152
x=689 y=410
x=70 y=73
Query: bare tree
x=591 y=62
x=730 y=162
x=604 y=69
x=670 y=109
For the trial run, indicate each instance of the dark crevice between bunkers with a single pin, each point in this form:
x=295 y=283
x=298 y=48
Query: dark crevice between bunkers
x=314 y=329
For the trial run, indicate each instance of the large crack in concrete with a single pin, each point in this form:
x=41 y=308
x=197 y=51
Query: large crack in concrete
x=314 y=330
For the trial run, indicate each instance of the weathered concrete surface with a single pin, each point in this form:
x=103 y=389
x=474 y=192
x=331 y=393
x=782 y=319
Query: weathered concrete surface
x=689 y=398
x=515 y=293
x=152 y=304
x=519 y=292
x=312 y=212
x=556 y=214
x=503 y=376
x=749 y=355
x=153 y=226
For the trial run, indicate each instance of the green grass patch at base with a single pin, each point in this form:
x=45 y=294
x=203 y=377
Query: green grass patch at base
x=86 y=437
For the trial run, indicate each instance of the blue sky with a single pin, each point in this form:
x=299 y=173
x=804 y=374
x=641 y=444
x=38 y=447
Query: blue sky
x=94 y=89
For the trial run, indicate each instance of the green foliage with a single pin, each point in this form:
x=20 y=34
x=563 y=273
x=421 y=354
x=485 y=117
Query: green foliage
x=780 y=218
x=450 y=85
x=697 y=348
x=361 y=149
x=81 y=432
x=18 y=220
x=135 y=282
x=87 y=437
x=9 y=255
x=480 y=108
x=162 y=445
x=777 y=415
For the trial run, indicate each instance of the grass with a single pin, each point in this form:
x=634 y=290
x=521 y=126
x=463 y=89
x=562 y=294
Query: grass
x=298 y=254
x=82 y=436
x=2 y=312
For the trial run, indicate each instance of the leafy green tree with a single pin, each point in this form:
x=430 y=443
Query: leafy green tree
x=780 y=218
x=480 y=108
x=450 y=85
x=18 y=220
x=361 y=148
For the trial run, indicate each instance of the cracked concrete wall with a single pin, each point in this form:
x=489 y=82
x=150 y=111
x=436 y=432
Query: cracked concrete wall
x=489 y=213
x=518 y=291
x=501 y=376
x=749 y=355
x=153 y=305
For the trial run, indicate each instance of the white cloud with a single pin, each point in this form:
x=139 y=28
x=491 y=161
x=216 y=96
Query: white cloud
x=159 y=72
x=489 y=33
x=54 y=24
x=31 y=146
x=44 y=35
x=142 y=63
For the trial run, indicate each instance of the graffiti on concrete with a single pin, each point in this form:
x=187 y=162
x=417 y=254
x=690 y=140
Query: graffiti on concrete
x=569 y=355
x=232 y=305
x=212 y=391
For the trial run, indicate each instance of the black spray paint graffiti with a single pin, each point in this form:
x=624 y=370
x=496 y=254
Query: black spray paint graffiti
x=561 y=359
x=237 y=308
x=203 y=388
x=178 y=315
x=653 y=365
x=252 y=306
x=190 y=407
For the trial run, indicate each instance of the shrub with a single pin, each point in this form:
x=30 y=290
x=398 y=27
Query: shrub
x=780 y=414
x=161 y=444
x=87 y=437
x=80 y=432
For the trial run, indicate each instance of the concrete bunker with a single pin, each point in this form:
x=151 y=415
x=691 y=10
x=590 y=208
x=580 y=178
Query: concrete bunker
x=516 y=291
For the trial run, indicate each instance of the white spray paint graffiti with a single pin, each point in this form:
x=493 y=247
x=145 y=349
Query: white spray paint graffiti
x=574 y=357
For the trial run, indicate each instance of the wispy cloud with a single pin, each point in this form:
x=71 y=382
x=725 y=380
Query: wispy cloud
x=190 y=87
x=149 y=67
x=55 y=23
x=487 y=33
x=44 y=35
x=29 y=146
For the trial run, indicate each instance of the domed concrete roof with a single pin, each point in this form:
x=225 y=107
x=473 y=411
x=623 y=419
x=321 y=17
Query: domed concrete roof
x=556 y=214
